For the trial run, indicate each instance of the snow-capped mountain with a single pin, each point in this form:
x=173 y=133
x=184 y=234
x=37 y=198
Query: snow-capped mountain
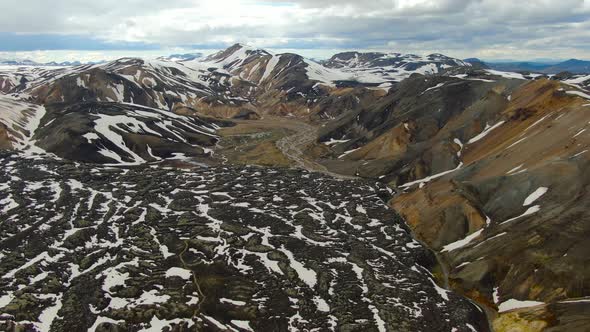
x=153 y=83
x=365 y=68
x=409 y=62
x=384 y=68
x=271 y=70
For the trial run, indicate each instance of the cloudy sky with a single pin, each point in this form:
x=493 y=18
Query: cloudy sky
x=488 y=29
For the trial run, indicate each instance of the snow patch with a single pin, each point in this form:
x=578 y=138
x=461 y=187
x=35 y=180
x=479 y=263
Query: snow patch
x=178 y=272
x=535 y=196
x=463 y=242
x=485 y=132
x=517 y=304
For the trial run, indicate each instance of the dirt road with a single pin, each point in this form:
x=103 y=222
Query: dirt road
x=297 y=136
x=293 y=147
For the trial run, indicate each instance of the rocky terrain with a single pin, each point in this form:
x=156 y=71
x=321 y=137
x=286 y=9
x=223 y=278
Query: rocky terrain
x=216 y=249
x=486 y=168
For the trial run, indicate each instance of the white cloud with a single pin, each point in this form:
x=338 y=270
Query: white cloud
x=486 y=28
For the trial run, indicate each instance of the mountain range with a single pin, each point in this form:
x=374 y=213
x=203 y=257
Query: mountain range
x=380 y=60
x=47 y=64
x=573 y=66
x=30 y=63
x=254 y=191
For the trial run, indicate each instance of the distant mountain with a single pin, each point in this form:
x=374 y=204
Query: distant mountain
x=182 y=57
x=47 y=64
x=18 y=63
x=574 y=66
x=477 y=63
x=519 y=66
x=66 y=63
x=472 y=60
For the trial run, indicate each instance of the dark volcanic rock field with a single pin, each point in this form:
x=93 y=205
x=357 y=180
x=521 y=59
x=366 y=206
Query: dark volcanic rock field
x=85 y=247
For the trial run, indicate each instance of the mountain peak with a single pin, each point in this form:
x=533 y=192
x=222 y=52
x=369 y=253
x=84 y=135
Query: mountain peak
x=236 y=51
x=574 y=61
